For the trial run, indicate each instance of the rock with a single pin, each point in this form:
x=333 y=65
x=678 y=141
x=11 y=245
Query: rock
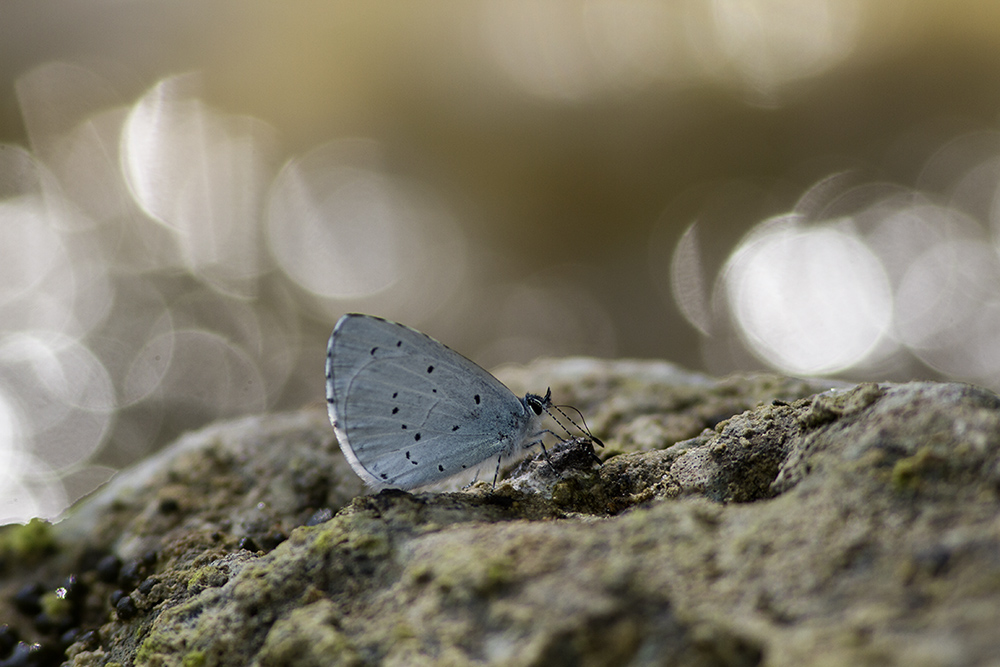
x=744 y=521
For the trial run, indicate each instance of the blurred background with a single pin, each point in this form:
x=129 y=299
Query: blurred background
x=192 y=192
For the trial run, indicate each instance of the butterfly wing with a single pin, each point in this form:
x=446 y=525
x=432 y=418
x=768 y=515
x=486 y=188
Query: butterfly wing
x=410 y=411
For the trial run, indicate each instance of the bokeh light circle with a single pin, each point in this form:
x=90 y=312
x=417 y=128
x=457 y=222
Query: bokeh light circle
x=808 y=300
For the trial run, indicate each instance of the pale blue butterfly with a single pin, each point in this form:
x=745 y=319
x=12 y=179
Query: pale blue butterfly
x=409 y=411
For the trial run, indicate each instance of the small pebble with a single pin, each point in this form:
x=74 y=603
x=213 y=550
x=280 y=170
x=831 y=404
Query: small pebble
x=126 y=609
x=108 y=568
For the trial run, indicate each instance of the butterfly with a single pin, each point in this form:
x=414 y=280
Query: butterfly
x=409 y=411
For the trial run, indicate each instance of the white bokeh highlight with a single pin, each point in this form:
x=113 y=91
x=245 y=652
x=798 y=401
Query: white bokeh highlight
x=869 y=278
x=344 y=230
x=204 y=175
x=948 y=309
x=808 y=299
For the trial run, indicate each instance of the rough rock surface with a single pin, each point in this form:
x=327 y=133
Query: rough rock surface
x=744 y=521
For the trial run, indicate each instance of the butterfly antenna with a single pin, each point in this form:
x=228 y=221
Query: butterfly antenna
x=582 y=429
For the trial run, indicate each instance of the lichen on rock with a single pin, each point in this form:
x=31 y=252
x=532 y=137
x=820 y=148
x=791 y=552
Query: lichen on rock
x=744 y=521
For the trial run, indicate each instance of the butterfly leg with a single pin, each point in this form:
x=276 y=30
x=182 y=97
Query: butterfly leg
x=538 y=441
x=475 y=478
x=545 y=453
x=497 y=473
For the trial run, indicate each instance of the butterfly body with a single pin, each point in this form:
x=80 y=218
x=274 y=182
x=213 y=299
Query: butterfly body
x=409 y=411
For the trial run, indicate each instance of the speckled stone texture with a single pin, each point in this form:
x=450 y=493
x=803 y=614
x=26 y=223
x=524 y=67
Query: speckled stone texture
x=743 y=521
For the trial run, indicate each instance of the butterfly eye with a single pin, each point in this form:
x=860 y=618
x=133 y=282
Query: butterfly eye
x=535 y=404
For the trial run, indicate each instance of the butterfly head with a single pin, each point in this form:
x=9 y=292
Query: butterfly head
x=538 y=404
x=543 y=404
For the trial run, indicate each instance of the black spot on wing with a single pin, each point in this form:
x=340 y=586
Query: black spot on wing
x=477 y=398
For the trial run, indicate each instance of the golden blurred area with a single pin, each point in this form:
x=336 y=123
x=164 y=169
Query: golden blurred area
x=191 y=193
